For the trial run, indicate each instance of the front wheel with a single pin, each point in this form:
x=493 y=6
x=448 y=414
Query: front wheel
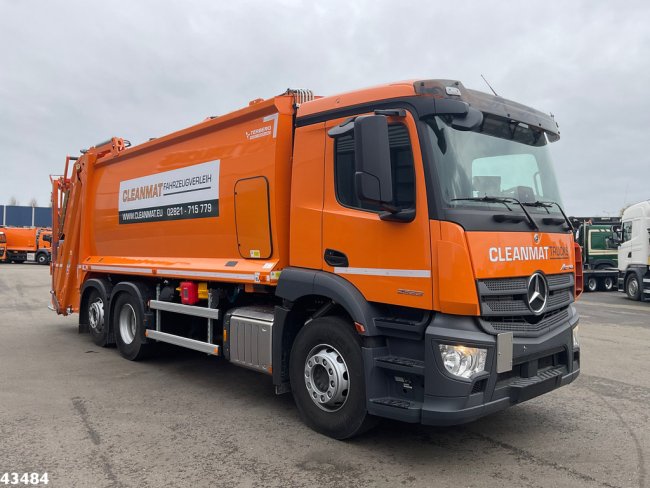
x=42 y=259
x=632 y=287
x=327 y=378
x=592 y=284
x=128 y=326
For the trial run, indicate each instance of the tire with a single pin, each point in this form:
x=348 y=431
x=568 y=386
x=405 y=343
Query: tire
x=128 y=327
x=95 y=318
x=607 y=283
x=633 y=287
x=592 y=283
x=42 y=259
x=331 y=401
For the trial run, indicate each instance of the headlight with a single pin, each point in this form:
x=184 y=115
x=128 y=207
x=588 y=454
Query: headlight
x=576 y=342
x=463 y=361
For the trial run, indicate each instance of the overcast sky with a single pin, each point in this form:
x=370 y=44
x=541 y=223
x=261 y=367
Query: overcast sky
x=76 y=72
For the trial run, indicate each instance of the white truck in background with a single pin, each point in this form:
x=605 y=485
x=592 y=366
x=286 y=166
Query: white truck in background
x=634 y=252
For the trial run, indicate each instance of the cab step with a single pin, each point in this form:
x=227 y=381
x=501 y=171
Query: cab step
x=206 y=347
x=403 y=365
x=396 y=408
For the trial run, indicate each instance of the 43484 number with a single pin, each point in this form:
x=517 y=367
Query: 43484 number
x=24 y=479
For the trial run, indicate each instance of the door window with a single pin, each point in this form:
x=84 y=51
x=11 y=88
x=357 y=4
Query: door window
x=401 y=157
x=627 y=231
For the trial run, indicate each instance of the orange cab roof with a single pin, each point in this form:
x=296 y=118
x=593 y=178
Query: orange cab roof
x=380 y=92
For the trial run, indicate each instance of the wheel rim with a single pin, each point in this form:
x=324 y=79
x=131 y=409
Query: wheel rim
x=128 y=324
x=609 y=283
x=632 y=287
x=327 y=378
x=591 y=284
x=96 y=315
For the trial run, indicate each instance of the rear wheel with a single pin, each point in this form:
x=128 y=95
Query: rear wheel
x=608 y=283
x=128 y=326
x=95 y=318
x=592 y=284
x=327 y=378
x=632 y=287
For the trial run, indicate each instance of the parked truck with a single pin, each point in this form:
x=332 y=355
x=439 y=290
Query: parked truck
x=597 y=237
x=398 y=251
x=634 y=252
x=27 y=244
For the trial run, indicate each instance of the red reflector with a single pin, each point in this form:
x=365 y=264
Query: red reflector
x=189 y=292
x=360 y=328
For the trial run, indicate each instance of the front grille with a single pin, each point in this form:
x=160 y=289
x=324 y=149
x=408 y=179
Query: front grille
x=559 y=298
x=508 y=284
x=518 y=324
x=504 y=305
x=560 y=280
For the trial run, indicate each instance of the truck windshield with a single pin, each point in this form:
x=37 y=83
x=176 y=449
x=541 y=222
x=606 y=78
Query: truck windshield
x=501 y=159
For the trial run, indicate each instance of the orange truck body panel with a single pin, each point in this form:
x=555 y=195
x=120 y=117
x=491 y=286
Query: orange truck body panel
x=252 y=148
x=21 y=239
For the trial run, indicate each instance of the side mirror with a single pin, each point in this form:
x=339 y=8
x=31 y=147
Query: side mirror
x=472 y=120
x=373 y=176
x=463 y=115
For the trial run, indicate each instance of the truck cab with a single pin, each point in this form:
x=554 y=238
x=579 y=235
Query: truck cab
x=634 y=252
x=440 y=218
x=43 y=254
x=598 y=237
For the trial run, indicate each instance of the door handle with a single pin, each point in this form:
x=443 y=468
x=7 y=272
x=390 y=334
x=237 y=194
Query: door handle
x=629 y=254
x=336 y=258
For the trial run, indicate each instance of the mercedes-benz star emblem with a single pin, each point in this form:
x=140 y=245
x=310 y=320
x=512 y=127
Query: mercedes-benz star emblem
x=537 y=295
x=536 y=238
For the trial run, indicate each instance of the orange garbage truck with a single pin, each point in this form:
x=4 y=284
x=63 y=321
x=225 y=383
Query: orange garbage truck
x=398 y=251
x=27 y=244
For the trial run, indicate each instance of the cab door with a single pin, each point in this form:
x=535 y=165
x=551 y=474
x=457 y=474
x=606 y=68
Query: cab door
x=625 y=249
x=389 y=262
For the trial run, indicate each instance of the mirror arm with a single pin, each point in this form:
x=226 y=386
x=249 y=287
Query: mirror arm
x=343 y=128
x=406 y=215
x=391 y=112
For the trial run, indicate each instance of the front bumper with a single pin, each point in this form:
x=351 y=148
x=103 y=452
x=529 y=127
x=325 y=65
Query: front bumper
x=430 y=395
x=451 y=411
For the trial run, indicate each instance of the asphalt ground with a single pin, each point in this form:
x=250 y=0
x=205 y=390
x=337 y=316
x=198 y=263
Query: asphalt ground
x=89 y=418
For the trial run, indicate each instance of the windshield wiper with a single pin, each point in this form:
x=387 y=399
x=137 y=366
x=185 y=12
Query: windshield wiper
x=549 y=204
x=486 y=199
x=505 y=201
